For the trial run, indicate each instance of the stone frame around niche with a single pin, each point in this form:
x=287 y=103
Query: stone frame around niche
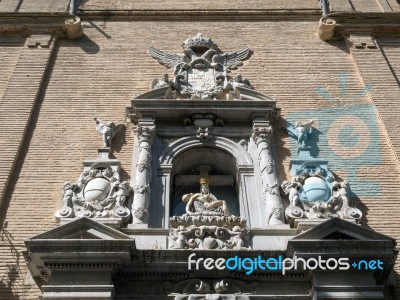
x=244 y=174
x=165 y=117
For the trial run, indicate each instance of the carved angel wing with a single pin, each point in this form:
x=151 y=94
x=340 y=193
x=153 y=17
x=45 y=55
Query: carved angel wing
x=165 y=58
x=233 y=60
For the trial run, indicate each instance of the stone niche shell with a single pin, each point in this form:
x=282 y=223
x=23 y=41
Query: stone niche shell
x=97 y=189
x=315 y=189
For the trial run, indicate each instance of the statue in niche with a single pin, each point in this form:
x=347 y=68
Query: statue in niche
x=300 y=131
x=204 y=201
x=107 y=131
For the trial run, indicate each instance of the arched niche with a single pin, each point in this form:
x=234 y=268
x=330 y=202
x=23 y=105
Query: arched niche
x=239 y=164
x=217 y=165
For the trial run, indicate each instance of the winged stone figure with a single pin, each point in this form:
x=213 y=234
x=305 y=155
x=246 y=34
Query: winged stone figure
x=232 y=60
x=300 y=131
x=107 y=130
x=167 y=59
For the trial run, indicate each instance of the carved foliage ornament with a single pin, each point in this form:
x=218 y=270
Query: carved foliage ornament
x=201 y=72
x=262 y=134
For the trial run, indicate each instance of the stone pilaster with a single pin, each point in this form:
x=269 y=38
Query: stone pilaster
x=262 y=136
x=141 y=187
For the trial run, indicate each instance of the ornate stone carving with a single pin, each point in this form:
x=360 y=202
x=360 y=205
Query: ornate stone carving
x=207 y=224
x=203 y=120
x=139 y=212
x=239 y=82
x=106 y=130
x=244 y=143
x=262 y=136
x=203 y=286
x=204 y=203
x=141 y=188
x=160 y=83
x=300 y=131
x=313 y=192
x=98 y=193
x=201 y=72
x=204 y=134
x=313 y=195
x=208 y=237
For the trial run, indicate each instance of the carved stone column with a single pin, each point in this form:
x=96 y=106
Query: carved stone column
x=262 y=136
x=141 y=187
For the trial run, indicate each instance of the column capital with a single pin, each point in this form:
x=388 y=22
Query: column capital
x=260 y=134
x=145 y=133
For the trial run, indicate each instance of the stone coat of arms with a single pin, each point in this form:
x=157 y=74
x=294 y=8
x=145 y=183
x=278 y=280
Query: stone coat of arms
x=201 y=72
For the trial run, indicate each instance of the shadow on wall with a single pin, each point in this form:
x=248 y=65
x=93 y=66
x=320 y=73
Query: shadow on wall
x=356 y=202
x=85 y=43
x=7 y=282
x=10 y=276
x=392 y=288
x=12 y=271
x=282 y=152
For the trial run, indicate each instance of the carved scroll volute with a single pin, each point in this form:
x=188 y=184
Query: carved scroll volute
x=262 y=137
x=145 y=135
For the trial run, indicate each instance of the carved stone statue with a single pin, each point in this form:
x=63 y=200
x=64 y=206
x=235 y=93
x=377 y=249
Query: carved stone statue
x=300 y=131
x=339 y=198
x=204 y=201
x=106 y=130
x=207 y=224
x=157 y=83
x=240 y=82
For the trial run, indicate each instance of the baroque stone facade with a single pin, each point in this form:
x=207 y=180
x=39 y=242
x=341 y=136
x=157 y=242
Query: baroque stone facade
x=202 y=166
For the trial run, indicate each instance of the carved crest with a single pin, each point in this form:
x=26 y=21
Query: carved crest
x=201 y=72
x=98 y=193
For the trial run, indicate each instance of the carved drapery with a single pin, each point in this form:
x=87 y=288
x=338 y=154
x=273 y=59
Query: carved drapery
x=262 y=136
x=141 y=187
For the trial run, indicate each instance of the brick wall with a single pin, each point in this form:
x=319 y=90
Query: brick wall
x=99 y=74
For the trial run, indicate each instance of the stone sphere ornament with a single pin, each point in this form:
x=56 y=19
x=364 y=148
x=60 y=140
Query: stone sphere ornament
x=97 y=189
x=315 y=189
